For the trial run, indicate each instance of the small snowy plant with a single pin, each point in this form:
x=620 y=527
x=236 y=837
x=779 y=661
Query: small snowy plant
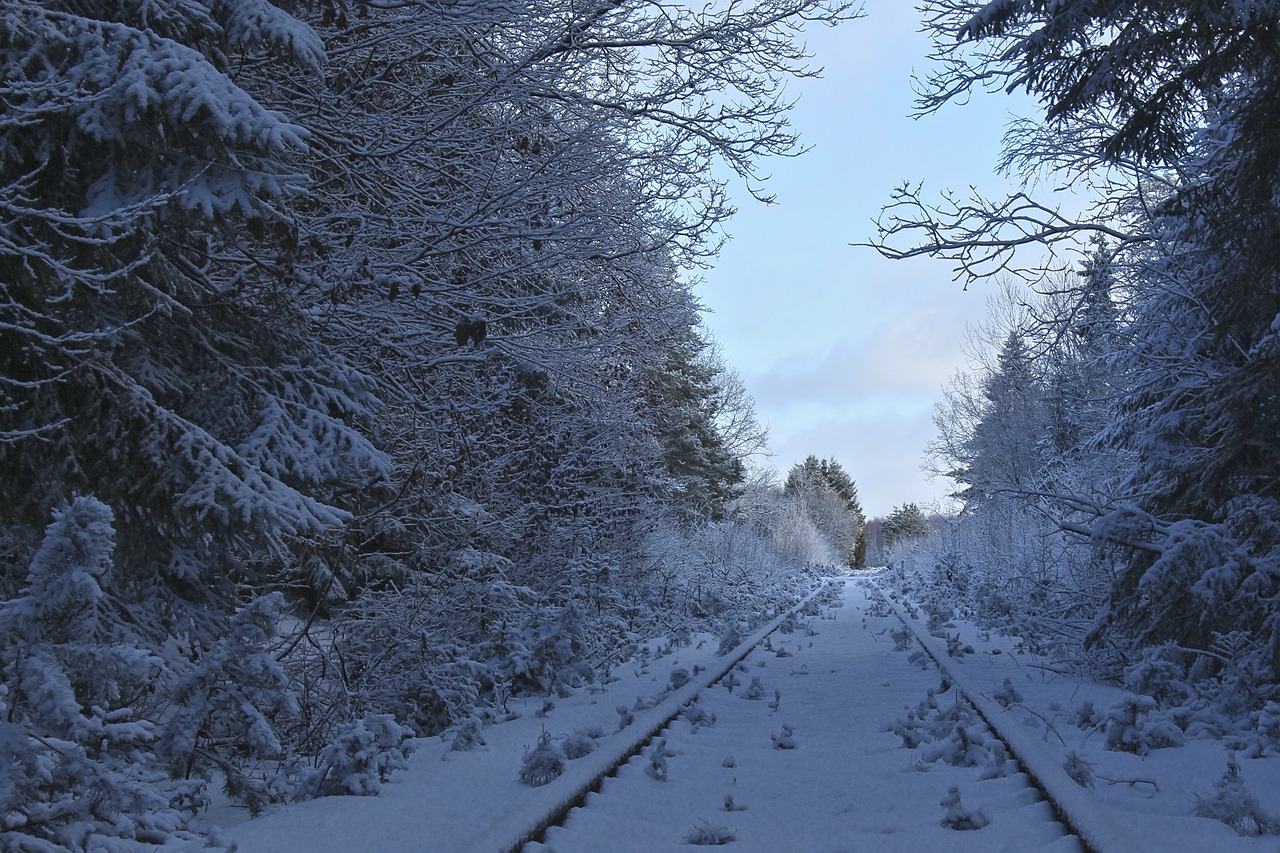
x=956 y=648
x=697 y=716
x=1134 y=725
x=467 y=735
x=1087 y=717
x=362 y=757
x=657 y=763
x=543 y=763
x=708 y=834
x=1266 y=725
x=730 y=639
x=784 y=739
x=755 y=690
x=959 y=817
x=1233 y=804
x=1079 y=768
x=1007 y=694
x=581 y=742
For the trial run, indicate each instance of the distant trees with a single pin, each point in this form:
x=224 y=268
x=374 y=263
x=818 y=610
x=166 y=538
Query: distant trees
x=905 y=523
x=827 y=494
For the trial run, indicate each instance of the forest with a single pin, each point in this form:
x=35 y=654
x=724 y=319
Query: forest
x=352 y=383
x=352 y=380
x=1117 y=442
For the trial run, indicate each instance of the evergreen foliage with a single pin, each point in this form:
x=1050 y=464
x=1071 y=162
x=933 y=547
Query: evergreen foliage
x=827 y=494
x=906 y=522
x=368 y=332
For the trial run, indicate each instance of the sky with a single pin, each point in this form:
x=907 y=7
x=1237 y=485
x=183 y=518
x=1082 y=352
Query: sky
x=844 y=351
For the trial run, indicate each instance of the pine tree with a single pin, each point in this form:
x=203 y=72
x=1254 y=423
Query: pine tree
x=829 y=496
x=906 y=522
x=1004 y=448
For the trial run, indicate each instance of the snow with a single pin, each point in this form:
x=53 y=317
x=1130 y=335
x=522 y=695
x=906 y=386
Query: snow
x=810 y=765
x=813 y=764
x=1139 y=802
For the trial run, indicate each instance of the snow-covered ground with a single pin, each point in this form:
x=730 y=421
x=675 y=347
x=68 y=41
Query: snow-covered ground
x=1130 y=801
x=815 y=762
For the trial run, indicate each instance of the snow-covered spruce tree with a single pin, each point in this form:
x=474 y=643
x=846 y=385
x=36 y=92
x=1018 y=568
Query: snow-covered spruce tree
x=229 y=710
x=78 y=769
x=679 y=391
x=127 y=150
x=905 y=523
x=145 y=361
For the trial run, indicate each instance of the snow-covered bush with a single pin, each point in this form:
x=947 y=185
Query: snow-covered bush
x=361 y=758
x=1233 y=804
x=1135 y=724
x=543 y=763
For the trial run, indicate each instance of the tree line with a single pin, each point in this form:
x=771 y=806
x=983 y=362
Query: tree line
x=351 y=381
x=1116 y=449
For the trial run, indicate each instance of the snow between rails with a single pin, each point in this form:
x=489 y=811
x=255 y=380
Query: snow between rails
x=547 y=805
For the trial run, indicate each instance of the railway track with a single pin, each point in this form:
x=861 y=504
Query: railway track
x=531 y=821
x=813 y=770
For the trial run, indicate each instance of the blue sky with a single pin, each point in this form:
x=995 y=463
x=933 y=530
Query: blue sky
x=844 y=351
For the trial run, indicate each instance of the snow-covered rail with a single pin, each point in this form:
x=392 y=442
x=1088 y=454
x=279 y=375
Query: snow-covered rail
x=817 y=761
x=1097 y=830
x=531 y=818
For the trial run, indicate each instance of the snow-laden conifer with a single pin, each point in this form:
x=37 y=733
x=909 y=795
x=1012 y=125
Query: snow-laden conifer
x=75 y=692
